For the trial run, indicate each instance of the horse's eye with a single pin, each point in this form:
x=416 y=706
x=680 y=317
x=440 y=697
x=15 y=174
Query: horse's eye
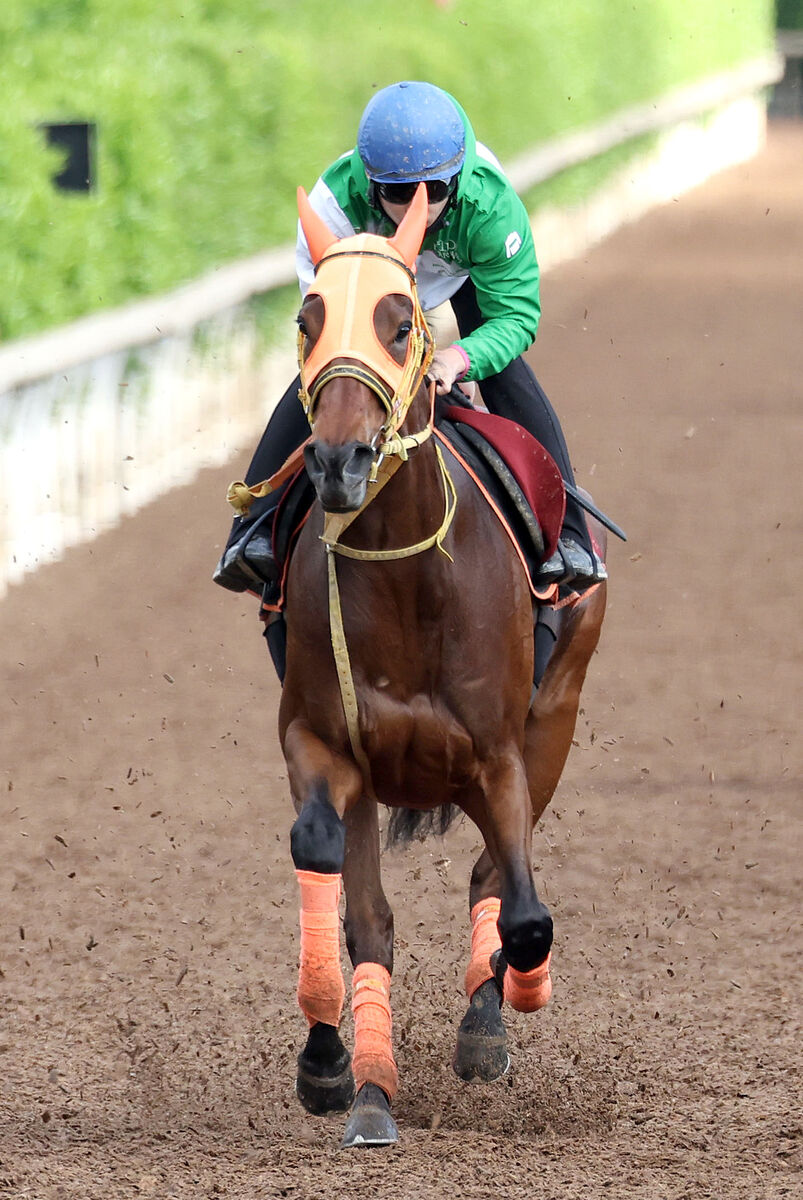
x=302 y=325
x=404 y=331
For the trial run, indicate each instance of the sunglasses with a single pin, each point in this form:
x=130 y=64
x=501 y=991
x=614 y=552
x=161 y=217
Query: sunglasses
x=402 y=193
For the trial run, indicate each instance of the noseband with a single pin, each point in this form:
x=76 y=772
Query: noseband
x=352 y=335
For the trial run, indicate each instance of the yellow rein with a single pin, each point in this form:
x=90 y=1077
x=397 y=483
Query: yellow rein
x=393 y=449
x=335 y=524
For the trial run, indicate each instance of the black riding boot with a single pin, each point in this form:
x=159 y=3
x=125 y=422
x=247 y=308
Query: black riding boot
x=248 y=562
x=515 y=393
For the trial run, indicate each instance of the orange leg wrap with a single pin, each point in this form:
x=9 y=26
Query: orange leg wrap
x=528 y=990
x=485 y=941
x=373 y=1060
x=321 y=990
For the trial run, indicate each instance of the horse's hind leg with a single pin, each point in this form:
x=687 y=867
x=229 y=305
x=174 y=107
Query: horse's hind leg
x=369 y=937
x=481 y=1049
x=503 y=813
x=552 y=718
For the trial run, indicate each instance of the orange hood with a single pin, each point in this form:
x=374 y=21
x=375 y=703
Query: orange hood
x=352 y=275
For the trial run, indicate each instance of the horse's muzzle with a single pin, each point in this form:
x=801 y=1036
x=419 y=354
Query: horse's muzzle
x=339 y=474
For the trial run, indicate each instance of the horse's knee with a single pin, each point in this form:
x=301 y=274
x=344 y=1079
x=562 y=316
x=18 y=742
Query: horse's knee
x=526 y=932
x=318 y=837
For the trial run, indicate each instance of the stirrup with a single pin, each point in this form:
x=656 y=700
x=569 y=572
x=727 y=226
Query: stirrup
x=248 y=564
x=572 y=564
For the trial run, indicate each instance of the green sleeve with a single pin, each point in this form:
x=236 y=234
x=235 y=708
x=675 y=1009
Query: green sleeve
x=504 y=270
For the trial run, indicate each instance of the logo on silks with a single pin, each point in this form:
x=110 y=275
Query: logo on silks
x=512 y=244
x=447 y=250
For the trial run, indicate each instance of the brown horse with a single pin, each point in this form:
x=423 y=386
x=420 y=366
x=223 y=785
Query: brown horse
x=409 y=680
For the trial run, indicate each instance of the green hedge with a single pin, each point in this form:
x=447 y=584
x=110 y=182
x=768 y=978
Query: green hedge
x=790 y=14
x=210 y=112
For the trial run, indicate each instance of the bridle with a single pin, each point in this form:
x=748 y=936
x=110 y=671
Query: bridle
x=395 y=385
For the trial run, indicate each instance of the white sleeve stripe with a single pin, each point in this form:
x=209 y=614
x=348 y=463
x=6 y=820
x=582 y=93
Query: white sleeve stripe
x=322 y=199
x=489 y=156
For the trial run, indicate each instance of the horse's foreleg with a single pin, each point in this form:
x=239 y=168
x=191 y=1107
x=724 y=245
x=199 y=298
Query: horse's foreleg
x=481 y=1049
x=369 y=937
x=524 y=923
x=324 y=1081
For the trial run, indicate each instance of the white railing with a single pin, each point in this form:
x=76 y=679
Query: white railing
x=101 y=416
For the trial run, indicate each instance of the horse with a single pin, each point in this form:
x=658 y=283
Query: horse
x=409 y=681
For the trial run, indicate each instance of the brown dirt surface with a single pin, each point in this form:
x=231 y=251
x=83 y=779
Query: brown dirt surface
x=149 y=933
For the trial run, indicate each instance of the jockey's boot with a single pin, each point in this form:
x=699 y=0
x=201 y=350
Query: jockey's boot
x=247 y=563
x=572 y=564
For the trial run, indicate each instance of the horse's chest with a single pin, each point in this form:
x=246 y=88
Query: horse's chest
x=416 y=743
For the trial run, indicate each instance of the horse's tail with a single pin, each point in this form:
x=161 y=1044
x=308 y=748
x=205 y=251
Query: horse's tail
x=413 y=824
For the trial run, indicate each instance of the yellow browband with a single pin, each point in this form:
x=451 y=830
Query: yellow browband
x=353 y=276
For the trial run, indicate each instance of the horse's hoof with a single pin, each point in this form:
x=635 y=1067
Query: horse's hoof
x=480 y=1059
x=481 y=1050
x=370 y=1122
x=323 y=1095
x=324 y=1082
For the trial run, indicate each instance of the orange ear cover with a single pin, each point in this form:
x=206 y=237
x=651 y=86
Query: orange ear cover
x=318 y=234
x=408 y=237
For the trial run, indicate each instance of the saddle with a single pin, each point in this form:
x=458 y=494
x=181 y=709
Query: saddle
x=519 y=479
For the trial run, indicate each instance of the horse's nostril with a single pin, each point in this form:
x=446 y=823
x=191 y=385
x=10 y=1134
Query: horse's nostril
x=362 y=457
x=339 y=473
x=313 y=462
x=350 y=461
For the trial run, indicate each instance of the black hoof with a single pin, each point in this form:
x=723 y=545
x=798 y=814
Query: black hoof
x=370 y=1122
x=481 y=1050
x=321 y=1095
x=324 y=1082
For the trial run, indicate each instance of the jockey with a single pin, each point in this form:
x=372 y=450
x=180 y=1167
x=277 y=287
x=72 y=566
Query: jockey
x=477 y=253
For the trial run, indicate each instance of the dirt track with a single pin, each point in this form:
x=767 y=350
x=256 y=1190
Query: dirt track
x=148 y=940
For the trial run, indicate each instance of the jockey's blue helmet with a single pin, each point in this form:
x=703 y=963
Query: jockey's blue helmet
x=411 y=132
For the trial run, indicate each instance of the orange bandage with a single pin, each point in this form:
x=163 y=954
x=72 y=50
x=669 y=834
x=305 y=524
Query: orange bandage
x=321 y=990
x=485 y=941
x=373 y=1060
x=528 y=990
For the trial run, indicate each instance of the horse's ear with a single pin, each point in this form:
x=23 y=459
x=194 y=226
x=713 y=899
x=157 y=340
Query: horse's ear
x=318 y=234
x=408 y=237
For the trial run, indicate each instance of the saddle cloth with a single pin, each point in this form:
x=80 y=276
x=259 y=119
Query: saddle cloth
x=520 y=480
